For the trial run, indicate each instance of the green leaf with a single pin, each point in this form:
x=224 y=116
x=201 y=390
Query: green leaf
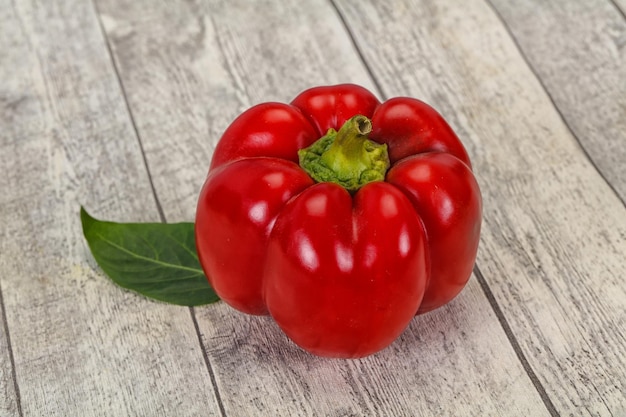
x=157 y=260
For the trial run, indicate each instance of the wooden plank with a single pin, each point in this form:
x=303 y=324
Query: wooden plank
x=10 y=43
x=554 y=237
x=189 y=70
x=82 y=346
x=187 y=102
x=9 y=402
x=577 y=50
x=621 y=6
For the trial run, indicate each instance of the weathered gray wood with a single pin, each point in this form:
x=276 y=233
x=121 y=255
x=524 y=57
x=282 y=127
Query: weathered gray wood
x=9 y=403
x=10 y=44
x=82 y=347
x=188 y=71
x=577 y=50
x=191 y=83
x=554 y=235
x=621 y=6
x=552 y=249
x=453 y=362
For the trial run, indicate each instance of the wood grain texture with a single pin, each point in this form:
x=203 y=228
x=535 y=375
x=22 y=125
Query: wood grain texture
x=540 y=335
x=82 y=347
x=621 y=5
x=188 y=63
x=188 y=70
x=9 y=397
x=453 y=362
x=554 y=237
x=588 y=79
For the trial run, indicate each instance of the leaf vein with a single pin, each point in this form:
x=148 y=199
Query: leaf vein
x=148 y=259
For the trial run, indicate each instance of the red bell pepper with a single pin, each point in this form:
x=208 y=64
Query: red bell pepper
x=341 y=236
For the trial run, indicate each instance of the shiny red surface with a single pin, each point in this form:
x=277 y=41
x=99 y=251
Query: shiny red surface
x=236 y=210
x=447 y=199
x=410 y=126
x=269 y=129
x=331 y=106
x=342 y=274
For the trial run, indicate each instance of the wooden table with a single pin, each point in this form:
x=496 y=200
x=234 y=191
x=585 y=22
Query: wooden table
x=117 y=105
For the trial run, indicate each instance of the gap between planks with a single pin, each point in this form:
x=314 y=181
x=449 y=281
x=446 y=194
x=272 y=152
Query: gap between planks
x=523 y=55
x=159 y=207
x=7 y=335
x=478 y=274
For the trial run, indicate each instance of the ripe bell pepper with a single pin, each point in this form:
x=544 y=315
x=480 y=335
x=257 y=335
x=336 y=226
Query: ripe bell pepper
x=340 y=216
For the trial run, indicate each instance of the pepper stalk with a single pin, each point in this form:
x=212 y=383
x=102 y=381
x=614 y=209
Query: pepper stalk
x=346 y=157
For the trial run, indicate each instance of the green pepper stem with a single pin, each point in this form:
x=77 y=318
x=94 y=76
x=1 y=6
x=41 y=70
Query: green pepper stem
x=346 y=157
x=346 y=154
